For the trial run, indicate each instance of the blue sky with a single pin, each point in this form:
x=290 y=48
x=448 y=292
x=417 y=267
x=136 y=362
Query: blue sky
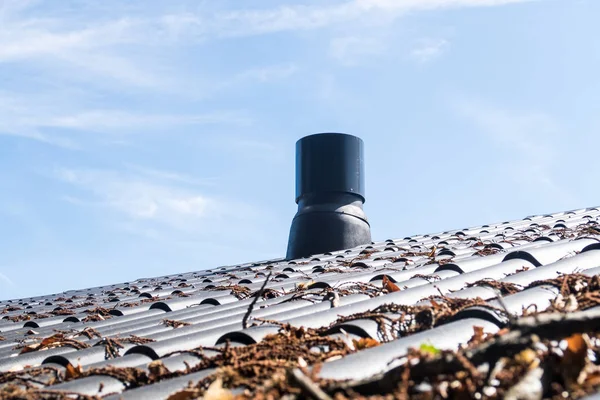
x=144 y=138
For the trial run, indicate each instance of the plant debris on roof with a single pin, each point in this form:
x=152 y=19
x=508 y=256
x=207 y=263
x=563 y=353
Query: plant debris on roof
x=500 y=311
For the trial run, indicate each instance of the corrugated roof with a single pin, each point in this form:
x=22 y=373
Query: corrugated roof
x=342 y=323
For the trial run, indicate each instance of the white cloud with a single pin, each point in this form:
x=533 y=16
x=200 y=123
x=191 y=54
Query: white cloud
x=120 y=69
x=8 y=289
x=136 y=48
x=32 y=133
x=166 y=209
x=254 y=145
x=530 y=133
x=141 y=198
x=266 y=74
x=429 y=49
x=303 y=17
x=34 y=37
x=351 y=50
x=160 y=175
x=530 y=139
x=42 y=38
x=7 y=281
x=113 y=120
x=87 y=48
x=29 y=116
x=16 y=119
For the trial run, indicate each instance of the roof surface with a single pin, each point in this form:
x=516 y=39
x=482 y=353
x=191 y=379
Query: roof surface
x=343 y=323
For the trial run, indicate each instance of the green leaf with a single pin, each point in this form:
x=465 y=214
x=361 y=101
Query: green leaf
x=429 y=348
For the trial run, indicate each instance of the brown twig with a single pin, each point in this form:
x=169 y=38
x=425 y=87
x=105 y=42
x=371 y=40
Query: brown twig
x=308 y=386
x=511 y=318
x=256 y=297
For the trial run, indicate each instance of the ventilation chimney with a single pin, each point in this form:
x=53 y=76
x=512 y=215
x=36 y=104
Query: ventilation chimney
x=330 y=192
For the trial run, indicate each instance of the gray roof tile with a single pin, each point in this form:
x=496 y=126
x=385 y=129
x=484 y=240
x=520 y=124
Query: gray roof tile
x=177 y=315
x=377 y=359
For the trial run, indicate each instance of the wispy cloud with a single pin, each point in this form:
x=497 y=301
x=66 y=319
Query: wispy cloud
x=6 y=280
x=428 y=49
x=304 y=17
x=530 y=141
x=161 y=175
x=34 y=134
x=266 y=74
x=138 y=198
x=17 y=118
x=113 y=120
x=96 y=49
x=527 y=132
x=254 y=145
x=8 y=289
x=31 y=116
x=255 y=149
x=139 y=46
x=352 y=50
x=169 y=201
x=29 y=37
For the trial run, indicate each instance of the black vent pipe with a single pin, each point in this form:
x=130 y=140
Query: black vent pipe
x=330 y=192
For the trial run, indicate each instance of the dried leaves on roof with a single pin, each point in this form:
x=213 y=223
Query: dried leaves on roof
x=54 y=341
x=174 y=324
x=548 y=353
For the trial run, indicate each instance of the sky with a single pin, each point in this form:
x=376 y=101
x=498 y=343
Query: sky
x=146 y=138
